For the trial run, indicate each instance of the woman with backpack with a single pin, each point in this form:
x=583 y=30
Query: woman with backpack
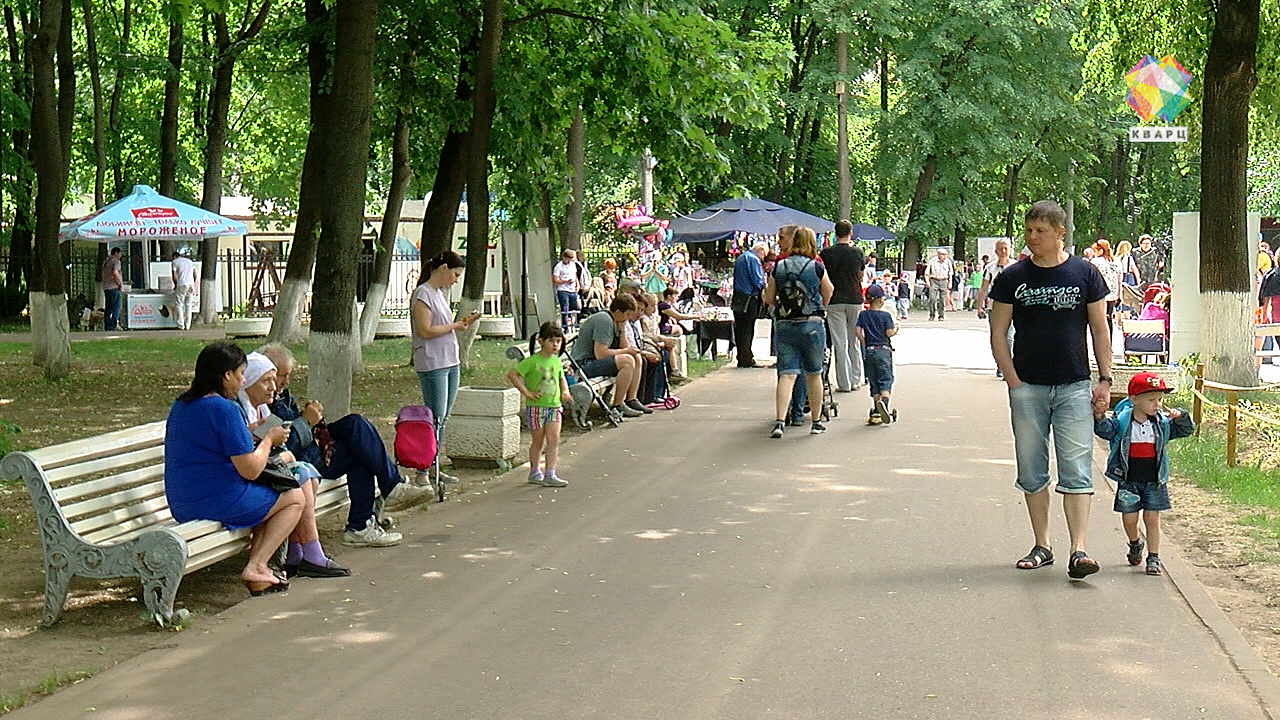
x=799 y=290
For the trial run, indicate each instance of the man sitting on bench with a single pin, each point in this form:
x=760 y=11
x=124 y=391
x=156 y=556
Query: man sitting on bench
x=600 y=352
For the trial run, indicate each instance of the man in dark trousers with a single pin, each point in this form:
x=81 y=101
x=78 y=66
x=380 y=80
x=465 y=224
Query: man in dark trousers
x=845 y=263
x=748 y=283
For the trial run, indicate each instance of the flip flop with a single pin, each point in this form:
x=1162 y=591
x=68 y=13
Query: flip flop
x=258 y=589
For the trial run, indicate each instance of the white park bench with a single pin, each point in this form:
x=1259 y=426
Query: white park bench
x=102 y=513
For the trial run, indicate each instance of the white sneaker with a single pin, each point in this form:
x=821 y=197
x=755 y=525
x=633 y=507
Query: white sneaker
x=406 y=495
x=371 y=536
x=553 y=481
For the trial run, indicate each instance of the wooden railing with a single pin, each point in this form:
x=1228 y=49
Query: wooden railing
x=1234 y=411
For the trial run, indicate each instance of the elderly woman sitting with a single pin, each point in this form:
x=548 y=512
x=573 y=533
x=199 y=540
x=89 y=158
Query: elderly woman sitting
x=352 y=448
x=305 y=555
x=211 y=459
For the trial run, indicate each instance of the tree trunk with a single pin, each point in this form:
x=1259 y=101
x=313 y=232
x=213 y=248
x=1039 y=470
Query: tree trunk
x=1011 y=198
x=169 y=119
x=924 y=183
x=844 y=184
x=1226 y=285
x=480 y=132
x=51 y=345
x=286 y=320
x=117 y=90
x=343 y=215
x=95 y=79
x=401 y=174
x=571 y=236
x=219 y=103
x=451 y=172
x=227 y=50
x=21 y=230
x=882 y=182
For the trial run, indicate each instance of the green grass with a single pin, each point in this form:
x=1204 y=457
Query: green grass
x=12 y=700
x=1202 y=461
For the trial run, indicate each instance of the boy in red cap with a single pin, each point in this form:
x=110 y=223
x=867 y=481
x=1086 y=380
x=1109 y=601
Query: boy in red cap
x=1138 y=430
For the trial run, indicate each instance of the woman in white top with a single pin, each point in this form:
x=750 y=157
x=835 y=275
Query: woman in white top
x=435 y=342
x=1105 y=261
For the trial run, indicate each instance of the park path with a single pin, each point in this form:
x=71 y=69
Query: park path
x=697 y=569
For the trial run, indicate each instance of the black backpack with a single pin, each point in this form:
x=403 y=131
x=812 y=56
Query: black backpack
x=791 y=295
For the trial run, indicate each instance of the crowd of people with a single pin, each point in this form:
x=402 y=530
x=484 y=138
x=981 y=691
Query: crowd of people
x=240 y=449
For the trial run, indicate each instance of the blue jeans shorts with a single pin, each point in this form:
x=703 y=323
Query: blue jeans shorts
x=877 y=363
x=800 y=345
x=1134 y=496
x=603 y=367
x=1066 y=410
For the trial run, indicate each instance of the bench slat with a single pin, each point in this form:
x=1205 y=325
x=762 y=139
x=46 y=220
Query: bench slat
x=103 y=488
x=86 y=511
x=112 y=443
x=60 y=477
x=106 y=528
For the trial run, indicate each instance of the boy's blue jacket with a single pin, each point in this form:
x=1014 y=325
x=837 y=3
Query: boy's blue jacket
x=1114 y=427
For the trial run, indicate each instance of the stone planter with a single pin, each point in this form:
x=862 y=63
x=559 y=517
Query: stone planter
x=247 y=326
x=484 y=426
x=392 y=327
x=496 y=327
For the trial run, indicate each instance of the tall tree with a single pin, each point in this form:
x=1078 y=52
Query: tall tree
x=332 y=341
x=51 y=345
x=286 y=319
x=226 y=49
x=401 y=173
x=1226 y=285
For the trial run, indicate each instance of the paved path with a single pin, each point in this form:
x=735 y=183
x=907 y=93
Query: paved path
x=697 y=569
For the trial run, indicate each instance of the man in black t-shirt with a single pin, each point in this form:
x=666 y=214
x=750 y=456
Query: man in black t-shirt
x=845 y=263
x=1053 y=300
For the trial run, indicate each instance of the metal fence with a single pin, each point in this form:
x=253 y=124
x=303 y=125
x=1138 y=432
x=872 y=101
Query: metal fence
x=238 y=274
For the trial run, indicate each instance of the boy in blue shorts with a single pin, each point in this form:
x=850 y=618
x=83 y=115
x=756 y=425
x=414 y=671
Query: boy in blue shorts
x=1139 y=429
x=874 y=327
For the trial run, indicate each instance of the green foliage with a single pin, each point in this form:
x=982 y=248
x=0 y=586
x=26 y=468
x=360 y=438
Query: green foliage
x=7 y=429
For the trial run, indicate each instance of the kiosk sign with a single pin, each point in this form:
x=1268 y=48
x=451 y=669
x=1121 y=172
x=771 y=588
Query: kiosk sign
x=1157 y=91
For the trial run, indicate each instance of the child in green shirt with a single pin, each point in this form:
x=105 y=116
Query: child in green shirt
x=540 y=379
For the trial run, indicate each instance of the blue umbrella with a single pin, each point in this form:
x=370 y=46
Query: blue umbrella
x=750 y=215
x=863 y=231
x=145 y=214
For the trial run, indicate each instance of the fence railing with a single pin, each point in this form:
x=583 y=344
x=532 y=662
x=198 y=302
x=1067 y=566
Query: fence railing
x=1234 y=410
x=238 y=272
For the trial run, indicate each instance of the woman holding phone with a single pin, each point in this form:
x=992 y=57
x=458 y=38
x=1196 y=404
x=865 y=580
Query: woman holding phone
x=435 y=340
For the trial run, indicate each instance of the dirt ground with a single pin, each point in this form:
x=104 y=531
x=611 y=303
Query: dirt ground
x=103 y=623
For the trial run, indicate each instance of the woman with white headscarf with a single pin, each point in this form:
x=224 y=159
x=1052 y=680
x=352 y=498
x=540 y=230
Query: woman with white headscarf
x=210 y=459
x=305 y=555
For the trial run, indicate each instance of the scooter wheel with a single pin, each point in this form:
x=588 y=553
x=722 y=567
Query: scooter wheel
x=387 y=522
x=894 y=414
x=671 y=403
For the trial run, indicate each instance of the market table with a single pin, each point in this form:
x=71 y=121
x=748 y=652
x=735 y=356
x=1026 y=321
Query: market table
x=709 y=331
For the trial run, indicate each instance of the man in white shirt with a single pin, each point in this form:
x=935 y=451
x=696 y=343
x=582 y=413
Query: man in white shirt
x=564 y=277
x=184 y=284
x=938 y=274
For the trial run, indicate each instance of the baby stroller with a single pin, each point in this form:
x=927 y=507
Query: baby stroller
x=417 y=443
x=830 y=408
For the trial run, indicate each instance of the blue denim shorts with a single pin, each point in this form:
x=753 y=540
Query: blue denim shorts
x=877 y=363
x=1066 y=410
x=1134 y=496
x=800 y=345
x=600 y=367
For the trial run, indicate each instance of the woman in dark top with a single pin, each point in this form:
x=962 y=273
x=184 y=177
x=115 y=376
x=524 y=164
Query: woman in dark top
x=210 y=458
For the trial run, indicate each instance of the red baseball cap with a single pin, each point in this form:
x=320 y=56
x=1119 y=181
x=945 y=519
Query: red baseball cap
x=1145 y=382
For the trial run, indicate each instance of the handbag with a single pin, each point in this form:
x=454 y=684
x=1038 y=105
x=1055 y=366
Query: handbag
x=277 y=476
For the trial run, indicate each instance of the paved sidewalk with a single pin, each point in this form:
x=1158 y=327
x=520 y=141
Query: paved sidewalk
x=696 y=569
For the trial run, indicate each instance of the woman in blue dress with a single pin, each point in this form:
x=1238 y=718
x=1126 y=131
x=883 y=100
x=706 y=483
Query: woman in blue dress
x=210 y=457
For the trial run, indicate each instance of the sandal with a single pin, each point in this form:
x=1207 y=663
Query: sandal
x=1134 y=556
x=1153 y=565
x=1081 y=565
x=1038 y=557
